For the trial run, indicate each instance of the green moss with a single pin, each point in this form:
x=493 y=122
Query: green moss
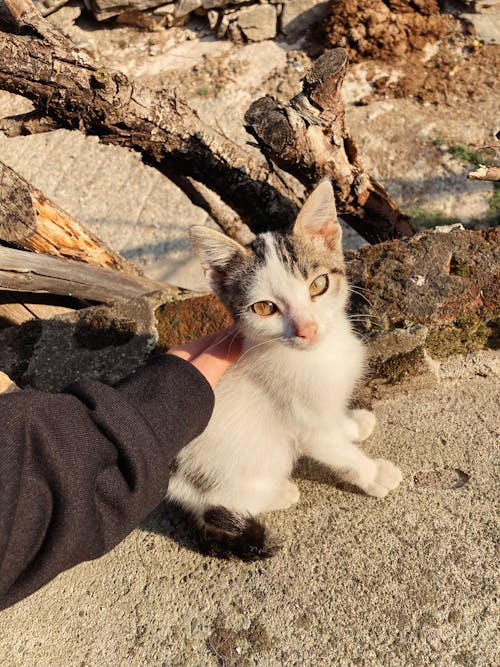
x=494 y=203
x=462 y=153
x=428 y=218
x=400 y=366
x=464 y=335
x=458 y=268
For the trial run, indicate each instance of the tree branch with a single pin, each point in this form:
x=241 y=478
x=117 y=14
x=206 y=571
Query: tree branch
x=76 y=94
x=24 y=271
x=30 y=221
x=307 y=137
x=485 y=173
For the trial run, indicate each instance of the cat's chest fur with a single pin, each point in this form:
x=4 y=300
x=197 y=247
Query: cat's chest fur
x=303 y=388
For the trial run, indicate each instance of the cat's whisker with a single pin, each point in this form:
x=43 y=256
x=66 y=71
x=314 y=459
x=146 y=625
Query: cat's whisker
x=354 y=290
x=363 y=289
x=271 y=340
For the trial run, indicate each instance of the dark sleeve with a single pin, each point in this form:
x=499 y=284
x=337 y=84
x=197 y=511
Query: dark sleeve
x=80 y=469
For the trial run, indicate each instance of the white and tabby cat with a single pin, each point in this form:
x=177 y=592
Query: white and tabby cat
x=287 y=394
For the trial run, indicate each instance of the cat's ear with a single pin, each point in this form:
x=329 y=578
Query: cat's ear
x=318 y=216
x=215 y=251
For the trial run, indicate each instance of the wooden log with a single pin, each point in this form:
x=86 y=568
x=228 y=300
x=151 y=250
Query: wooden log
x=30 y=221
x=28 y=272
x=308 y=138
x=19 y=307
x=78 y=94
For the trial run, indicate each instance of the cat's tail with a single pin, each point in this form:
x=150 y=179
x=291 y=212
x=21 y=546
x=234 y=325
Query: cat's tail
x=224 y=533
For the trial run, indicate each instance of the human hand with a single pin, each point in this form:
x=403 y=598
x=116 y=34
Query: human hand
x=212 y=355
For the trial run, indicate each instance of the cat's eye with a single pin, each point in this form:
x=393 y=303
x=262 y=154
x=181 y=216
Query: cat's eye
x=319 y=285
x=264 y=308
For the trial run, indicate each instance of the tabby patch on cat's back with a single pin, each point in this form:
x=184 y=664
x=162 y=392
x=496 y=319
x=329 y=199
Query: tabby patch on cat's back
x=287 y=395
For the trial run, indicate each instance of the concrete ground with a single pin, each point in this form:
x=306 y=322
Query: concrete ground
x=405 y=581
x=408 y=580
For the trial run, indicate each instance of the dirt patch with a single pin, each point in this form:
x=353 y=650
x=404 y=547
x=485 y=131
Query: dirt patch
x=383 y=29
x=438 y=58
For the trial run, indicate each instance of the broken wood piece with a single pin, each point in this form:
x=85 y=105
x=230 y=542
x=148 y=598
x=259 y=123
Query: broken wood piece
x=30 y=221
x=308 y=138
x=29 y=272
x=19 y=307
x=485 y=173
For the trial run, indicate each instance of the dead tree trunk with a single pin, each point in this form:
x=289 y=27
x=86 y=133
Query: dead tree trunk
x=70 y=91
x=30 y=221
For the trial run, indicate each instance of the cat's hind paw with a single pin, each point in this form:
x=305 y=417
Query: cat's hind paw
x=387 y=478
x=365 y=422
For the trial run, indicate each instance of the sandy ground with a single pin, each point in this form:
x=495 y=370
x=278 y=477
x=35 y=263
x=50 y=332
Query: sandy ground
x=405 y=581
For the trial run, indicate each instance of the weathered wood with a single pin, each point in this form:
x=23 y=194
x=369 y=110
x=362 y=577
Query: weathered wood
x=77 y=94
x=19 y=307
x=30 y=221
x=485 y=173
x=28 y=272
x=308 y=138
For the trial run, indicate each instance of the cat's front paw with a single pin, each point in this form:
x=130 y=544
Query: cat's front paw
x=365 y=421
x=287 y=496
x=387 y=478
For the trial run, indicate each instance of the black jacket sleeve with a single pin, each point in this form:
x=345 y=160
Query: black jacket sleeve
x=80 y=469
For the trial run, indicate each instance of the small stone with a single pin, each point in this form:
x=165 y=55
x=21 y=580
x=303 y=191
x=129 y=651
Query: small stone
x=213 y=19
x=258 y=23
x=185 y=7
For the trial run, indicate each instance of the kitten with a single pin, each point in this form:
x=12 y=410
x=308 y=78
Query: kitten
x=287 y=395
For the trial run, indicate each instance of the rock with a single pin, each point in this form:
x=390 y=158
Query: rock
x=258 y=23
x=104 y=343
x=105 y=9
x=184 y=7
x=299 y=15
x=426 y=298
x=64 y=17
x=487 y=25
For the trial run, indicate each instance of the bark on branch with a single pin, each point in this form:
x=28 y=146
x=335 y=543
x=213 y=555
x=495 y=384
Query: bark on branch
x=76 y=93
x=307 y=137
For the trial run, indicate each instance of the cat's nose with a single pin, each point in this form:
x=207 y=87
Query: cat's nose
x=308 y=331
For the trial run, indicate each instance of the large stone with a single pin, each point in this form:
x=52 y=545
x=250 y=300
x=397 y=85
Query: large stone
x=299 y=15
x=184 y=7
x=258 y=23
x=415 y=302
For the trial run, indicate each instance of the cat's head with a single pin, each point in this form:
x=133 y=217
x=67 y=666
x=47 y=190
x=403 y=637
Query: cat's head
x=286 y=286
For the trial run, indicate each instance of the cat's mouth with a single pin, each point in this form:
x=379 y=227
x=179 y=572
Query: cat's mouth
x=299 y=343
